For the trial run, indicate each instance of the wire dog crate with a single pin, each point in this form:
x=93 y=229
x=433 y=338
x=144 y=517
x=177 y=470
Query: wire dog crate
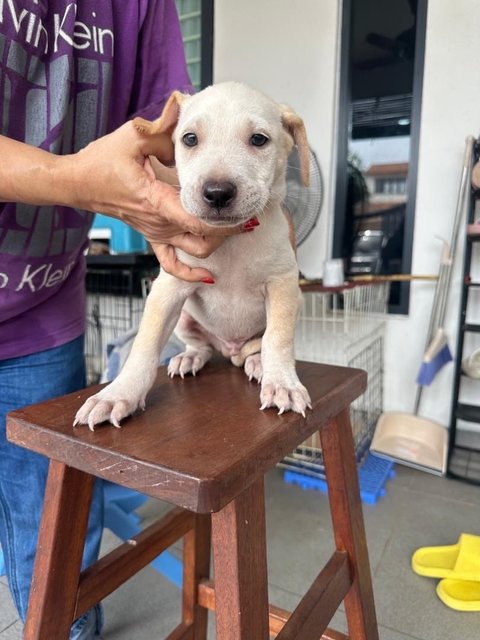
x=117 y=286
x=343 y=326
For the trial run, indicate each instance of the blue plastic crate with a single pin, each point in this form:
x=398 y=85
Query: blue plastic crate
x=121 y=519
x=121 y=237
x=372 y=475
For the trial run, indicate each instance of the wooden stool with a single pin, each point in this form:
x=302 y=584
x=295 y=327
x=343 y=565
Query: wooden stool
x=203 y=445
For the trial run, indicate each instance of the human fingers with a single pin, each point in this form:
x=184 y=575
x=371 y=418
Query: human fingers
x=159 y=145
x=159 y=171
x=169 y=261
x=198 y=246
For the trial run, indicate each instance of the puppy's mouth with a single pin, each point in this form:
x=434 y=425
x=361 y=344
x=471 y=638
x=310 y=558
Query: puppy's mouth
x=221 y=218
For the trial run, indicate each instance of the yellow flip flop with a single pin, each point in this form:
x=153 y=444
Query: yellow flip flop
x=462 y=595
x=459 y=561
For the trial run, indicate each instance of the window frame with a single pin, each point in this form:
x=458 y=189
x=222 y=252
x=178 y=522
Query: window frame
x=204 y=9
x=342 y=145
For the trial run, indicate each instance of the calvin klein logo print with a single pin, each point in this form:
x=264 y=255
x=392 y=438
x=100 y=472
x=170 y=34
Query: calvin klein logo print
x=36 y=278
x=30 y=27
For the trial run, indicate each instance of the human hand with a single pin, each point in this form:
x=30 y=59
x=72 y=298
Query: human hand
x=115 y=175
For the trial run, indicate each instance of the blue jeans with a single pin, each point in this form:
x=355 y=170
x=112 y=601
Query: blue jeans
x=23 y=473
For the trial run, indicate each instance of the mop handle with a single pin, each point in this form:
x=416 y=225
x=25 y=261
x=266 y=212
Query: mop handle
x=441 y=290
x=462 y=195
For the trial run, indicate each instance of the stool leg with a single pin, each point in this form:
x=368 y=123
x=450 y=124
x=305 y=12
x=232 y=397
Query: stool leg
x=347 y=518
x=196 y=565
x=58 y=560
x=240 y=563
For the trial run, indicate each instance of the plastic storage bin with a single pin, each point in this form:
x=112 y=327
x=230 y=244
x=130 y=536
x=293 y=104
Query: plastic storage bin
x=119 y=236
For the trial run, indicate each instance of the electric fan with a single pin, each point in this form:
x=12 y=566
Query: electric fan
x=303 y=203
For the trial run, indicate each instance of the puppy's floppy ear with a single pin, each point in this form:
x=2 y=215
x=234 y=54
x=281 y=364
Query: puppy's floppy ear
x=296 y=128
x=167 y=122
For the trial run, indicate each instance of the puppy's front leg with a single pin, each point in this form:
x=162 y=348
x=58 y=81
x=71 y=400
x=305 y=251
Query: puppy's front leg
x=128 y=391
x=281 y=387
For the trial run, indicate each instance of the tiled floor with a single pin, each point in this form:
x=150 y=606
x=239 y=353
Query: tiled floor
x=418 y=510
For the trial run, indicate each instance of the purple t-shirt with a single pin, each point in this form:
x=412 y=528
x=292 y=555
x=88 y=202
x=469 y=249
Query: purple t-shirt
x=70 y=71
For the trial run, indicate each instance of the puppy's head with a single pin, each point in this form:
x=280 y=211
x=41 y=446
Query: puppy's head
x=231 y=148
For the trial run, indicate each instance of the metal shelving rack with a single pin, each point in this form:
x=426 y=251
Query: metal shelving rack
x=464 y=433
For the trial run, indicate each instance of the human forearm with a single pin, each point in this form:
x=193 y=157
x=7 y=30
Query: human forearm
x=34 y=176
x=106 y=176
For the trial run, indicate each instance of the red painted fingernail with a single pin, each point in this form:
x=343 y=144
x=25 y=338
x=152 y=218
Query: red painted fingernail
x=208 y=280
x=250 y=224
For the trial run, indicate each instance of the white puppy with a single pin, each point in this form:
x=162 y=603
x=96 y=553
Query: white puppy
x=231 y=150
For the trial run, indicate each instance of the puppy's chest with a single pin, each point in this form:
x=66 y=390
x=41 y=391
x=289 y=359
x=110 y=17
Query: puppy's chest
x=229 y=303
x=230 y=313
x=235 y=306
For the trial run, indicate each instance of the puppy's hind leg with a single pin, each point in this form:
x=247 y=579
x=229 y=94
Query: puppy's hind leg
x=250 y=358
x=198 y=349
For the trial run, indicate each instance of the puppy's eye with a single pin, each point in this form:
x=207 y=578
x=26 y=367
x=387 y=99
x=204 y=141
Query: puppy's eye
x=258 y=140
x=190 y=140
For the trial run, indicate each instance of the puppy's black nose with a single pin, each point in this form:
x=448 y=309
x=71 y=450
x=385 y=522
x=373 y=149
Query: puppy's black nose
x=219 y=194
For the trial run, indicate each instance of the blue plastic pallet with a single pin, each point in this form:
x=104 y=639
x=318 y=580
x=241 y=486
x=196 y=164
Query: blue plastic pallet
x=372 y=475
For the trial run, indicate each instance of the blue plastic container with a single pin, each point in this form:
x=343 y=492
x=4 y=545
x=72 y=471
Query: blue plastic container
x=120 y=237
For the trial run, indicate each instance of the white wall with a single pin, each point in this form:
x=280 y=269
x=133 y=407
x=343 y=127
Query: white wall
x=290 y=50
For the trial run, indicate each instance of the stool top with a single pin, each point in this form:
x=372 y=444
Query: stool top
x=201 y=440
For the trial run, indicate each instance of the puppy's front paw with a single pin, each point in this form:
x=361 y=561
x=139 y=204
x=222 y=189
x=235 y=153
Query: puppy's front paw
x=111 y=404
x=285 y=396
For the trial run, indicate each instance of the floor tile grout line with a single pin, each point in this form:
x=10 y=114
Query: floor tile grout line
x=438 y=496
x=9 y=626
x=405 y=635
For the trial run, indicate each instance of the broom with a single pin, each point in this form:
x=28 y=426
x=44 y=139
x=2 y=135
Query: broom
x=437 y=352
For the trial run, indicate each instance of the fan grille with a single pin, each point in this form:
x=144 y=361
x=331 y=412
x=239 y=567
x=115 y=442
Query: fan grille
x=303 y=203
